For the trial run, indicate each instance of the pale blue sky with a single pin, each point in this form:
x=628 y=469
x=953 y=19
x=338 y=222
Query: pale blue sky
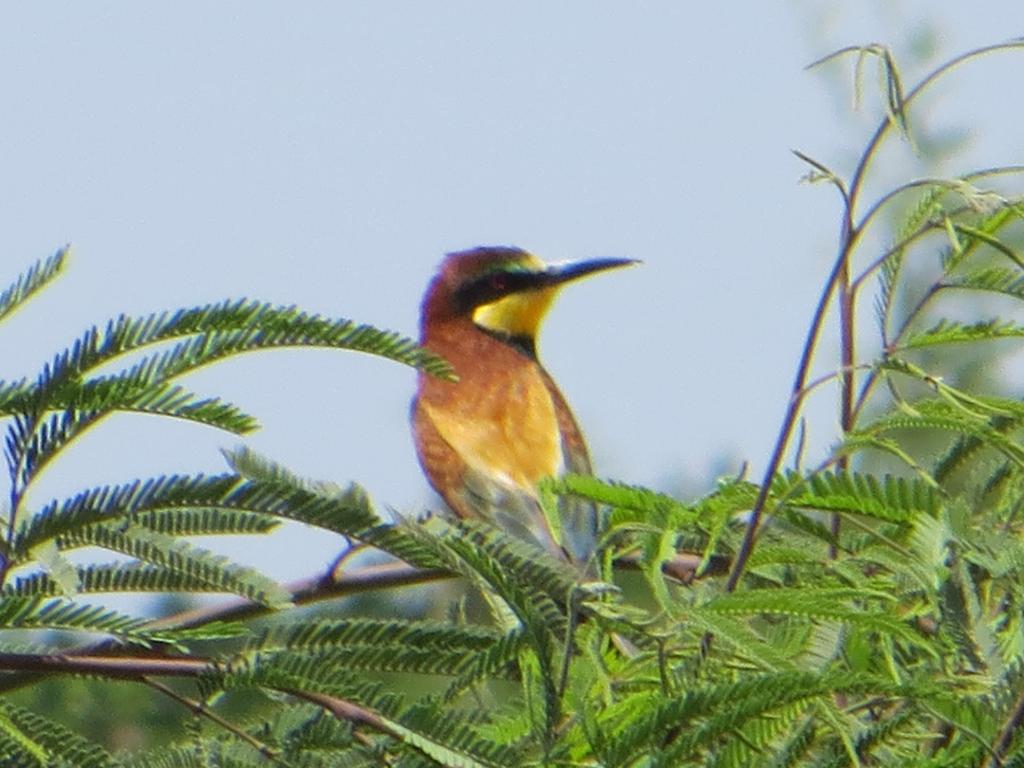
x=329 y=154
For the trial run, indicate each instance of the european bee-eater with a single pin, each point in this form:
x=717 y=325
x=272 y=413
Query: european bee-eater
x=486 y=440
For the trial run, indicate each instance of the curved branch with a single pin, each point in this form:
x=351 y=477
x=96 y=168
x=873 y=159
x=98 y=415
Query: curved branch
x=140 y=669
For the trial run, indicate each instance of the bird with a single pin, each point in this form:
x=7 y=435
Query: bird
x=485 y=440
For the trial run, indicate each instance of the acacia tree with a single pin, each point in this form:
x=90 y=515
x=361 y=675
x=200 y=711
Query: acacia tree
x=826 y=615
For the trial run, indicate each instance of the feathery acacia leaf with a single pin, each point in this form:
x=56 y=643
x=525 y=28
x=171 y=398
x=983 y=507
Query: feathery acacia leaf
x=325 y=634
x=13 y=395
x=926 y=209
x=59 y=613
x=387 y=646
x=888 y=498
x=640 y=500
x=46 y=743
x=441 y=737
x=122 y=502
x=31 y=282
x=223 y=329
x=950 y=332
x=203 y=568
x=1008 y=282
x=113 y=577
x=831 y=604
x=976 y=422
x=754 y=696
x=971 y=231
x=205 y=521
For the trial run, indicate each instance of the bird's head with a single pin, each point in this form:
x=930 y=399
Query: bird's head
x=505 y=291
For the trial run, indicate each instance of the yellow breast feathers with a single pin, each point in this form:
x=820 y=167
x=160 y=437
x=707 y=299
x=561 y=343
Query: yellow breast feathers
x=507 y=431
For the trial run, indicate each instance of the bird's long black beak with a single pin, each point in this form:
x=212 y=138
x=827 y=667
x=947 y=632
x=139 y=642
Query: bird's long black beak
x=556 y=274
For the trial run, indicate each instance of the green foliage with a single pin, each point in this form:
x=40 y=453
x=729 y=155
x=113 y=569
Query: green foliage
x=834 y=615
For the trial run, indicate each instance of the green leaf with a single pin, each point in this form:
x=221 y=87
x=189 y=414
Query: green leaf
x=442 y=735
x=702 y=716
x=60 y=613
x=640 y=500
x=115 y=577
x=890 y=498
x=330 y=633
x=63 y=403
x=826 y=603
x=107 y=394
x=47 y=742
x=218 y=331
x=32 y=445
x=1008 y=282
x=951 y=332
x=927 y=208
x=973 y=421
x=32 y=281
x=122 y=502
x=203 y=569
x=205 y=521
x=14 y=395
x=386 y=645
x=984 y=231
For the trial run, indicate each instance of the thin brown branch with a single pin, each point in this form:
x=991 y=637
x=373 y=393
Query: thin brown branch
x=847 y=309
x=684 y=567
x=311 y=590
x=789 y=420
x=118 y=667
x=143 y=669
x=346 y=710
x=200 y=709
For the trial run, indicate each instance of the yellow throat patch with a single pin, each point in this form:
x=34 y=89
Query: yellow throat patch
x=518 y=314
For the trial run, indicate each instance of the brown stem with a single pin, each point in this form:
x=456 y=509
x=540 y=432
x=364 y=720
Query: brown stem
x=200 y=709
x=119 y=667
x=346 y=710
x=311 y=590
x=847 y=382
x=789 y=420
x=141 y=669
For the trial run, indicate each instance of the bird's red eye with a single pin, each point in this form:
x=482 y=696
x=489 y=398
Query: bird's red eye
x=498 y=282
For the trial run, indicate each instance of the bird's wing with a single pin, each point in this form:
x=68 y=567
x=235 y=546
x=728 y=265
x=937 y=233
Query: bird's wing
x=579 y=516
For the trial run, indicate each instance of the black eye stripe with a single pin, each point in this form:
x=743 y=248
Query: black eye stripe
x=488 y=288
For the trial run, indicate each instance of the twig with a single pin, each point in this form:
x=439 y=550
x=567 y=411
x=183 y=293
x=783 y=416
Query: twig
x=142 y=669
x=343 y=709
x=119 y=667
x=311 y=590
x=346 y=710
x=789 y=420
x=199 y=708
